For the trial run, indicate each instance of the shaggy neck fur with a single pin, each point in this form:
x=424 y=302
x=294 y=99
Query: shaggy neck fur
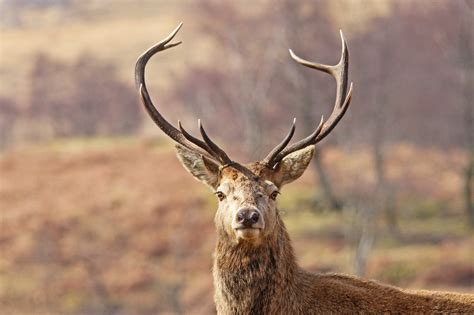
x=249 y=277
x=264 y=279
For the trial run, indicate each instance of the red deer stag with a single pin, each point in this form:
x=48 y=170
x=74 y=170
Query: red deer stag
x=254 y=266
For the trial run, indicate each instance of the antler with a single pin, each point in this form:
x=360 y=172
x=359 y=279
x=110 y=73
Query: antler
x=207 y=147
x=343 y=99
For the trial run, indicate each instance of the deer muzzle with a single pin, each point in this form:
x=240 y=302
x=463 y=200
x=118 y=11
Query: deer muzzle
x=248 y=223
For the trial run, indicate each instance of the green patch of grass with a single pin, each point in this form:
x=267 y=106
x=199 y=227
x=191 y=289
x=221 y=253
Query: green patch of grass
x=303 y=221
x=72 y=301
x=441 y=227
x=76 y=145
x=422 y=209
x=295 y=197
x=83 y=144
x=397 y=273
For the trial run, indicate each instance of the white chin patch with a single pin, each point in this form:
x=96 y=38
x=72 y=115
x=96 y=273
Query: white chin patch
x=247 y=234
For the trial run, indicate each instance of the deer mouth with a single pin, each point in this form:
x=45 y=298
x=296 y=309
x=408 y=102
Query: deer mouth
x=247 y=233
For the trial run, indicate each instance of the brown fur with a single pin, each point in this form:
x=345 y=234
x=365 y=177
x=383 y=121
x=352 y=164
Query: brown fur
x=260 y=276
x=266 y=280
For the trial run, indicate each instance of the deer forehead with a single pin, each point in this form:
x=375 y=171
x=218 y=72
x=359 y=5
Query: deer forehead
x=257 y=179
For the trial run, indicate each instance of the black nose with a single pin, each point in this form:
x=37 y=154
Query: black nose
x=247 y=217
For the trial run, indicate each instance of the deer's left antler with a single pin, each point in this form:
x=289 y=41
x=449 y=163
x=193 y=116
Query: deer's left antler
x=343 y=99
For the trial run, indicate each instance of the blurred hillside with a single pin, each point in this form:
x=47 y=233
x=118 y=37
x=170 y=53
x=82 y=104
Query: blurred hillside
x=37 y=40
x=65 y=62
x=88 y=228
x=115 y=31
x=97 y=216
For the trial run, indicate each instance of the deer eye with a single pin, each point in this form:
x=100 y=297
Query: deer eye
x=220 y=195
x=274 y=195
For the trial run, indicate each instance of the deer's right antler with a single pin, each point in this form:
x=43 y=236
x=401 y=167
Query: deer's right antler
x=343 y=99
x=207 y=147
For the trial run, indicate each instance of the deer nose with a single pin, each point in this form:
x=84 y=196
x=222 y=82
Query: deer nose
x=248 y=217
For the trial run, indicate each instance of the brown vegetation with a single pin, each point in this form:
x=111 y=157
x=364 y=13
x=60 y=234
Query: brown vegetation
x=104 y=225
x=83 y=99
x=79 y=218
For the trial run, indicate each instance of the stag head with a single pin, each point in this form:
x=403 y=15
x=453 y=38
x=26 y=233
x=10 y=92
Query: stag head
x=247 y=193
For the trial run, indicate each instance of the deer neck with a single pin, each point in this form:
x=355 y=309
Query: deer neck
x=249 y=278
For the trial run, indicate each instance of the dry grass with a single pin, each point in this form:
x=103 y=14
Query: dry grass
x=118 y=31
x=114 y=31
x=90 y=226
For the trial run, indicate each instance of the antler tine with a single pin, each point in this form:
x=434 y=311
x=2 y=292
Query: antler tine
x=343 y=98
x=161 y=122
x=143 y=59
x=219 y=153
x=269 y=158
x=193 y=139
x=180 y=136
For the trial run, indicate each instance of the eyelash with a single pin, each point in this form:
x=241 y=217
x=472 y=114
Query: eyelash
x=220 y=195
x=274 y=195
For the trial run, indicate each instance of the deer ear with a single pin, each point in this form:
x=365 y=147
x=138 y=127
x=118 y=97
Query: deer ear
x=292 y=166
x=202 y=168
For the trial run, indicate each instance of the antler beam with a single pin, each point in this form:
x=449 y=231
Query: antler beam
x=207 y=147
x=343 y=98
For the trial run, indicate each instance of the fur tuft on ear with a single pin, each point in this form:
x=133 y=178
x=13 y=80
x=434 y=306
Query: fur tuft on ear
x=292 y=166
x=202 y=168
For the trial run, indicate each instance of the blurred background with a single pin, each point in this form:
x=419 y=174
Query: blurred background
x=98 y=216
